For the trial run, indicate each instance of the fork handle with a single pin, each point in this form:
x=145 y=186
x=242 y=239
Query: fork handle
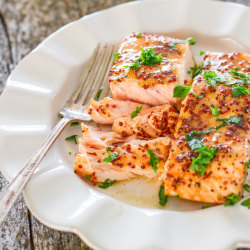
x=9 y=195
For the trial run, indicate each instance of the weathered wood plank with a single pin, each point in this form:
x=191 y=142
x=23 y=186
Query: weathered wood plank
x=15 y=231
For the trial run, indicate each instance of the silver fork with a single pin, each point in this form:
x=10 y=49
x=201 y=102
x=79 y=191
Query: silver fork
x=74 y=110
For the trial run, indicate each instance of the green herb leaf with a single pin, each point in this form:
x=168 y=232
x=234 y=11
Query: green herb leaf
x=240 y=90
x=108 y=149
x=162 y=197
x=200 y=164
x=74 y=124
x=135 y=112
x=139 y=35
x=181 y=91
x=210 y=130
x=205 y=206
x=215 y=111
x=154 y=160
x=176 y=196
x=148 y=57
x=213 y=78
x=107 y=183
x=98 y=94
x=87 y=177
x=232 y=199
x=191 y=41
x=196 y=71
x=247 y=187
x=70 y=153
x=193 y=142
x=247 y=164
x=72 y=138
x=202 y=53
x=246 y=203
x=135 y=66
x=115 y=56
x=191 y=135
x=111 y=157
x=198 y=96
x=231 y=120
x=239 y=75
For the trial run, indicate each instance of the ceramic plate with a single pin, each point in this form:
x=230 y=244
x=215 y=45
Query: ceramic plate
x=38 y=88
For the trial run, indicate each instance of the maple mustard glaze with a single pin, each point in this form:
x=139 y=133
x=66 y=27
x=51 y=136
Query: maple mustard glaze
x=164 y=72
x=147 y=194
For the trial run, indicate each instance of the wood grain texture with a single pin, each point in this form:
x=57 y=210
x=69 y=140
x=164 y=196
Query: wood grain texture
x=23 y=25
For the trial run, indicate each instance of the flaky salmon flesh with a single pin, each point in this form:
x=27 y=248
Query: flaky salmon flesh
x=151 y=123
x=153 y=84
x=225 y=172
x=133 y=158
x=108 y=109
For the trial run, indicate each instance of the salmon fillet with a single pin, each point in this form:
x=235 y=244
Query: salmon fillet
x=225 y=173
x=133 y=159
x=153 y=84
x=152 y=123
x=108 y=109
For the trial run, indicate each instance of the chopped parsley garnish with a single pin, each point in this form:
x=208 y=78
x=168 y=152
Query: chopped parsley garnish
x=192 y=141
x=108 y=149
x=111 y=156
x=139 y=35
x=87 y=177
x=116 y=56
x=181 y=91
x=247 y=187
x=199 y=164
x=154 y=160
x=231 y=120
x=247 y=164
x=196 y=71
x=147 y=57
x=246 y=203
x=72 y=138
x=135 y=112
x=205 y=206
x=162 y=197
x=74 y=124
x=239 y=75
x=107 y=183
x=198 y=96
x=215 y=111
x=232 y=199
x=135 y=66
x=98 y=94
x=213 y=78
x=190 y=40
x=202 y=53
x=210 y=130
x=240 y=90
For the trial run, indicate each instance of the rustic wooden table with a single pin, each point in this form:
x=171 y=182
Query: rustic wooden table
x=24 y=24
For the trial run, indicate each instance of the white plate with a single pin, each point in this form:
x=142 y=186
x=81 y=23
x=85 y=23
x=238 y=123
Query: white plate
x=38 y=88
